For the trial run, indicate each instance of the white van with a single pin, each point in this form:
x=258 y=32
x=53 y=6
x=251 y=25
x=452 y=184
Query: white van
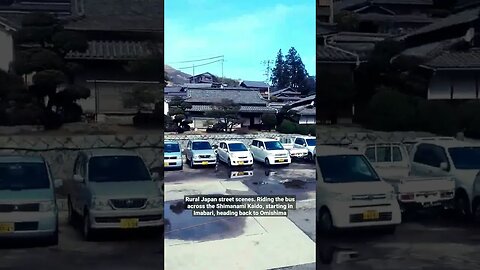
x=351 y=194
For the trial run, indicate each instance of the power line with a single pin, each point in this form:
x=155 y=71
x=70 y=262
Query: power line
x=198 y=60
x=216 y=61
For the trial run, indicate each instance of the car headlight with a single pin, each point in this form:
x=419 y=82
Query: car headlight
x=391 y=195
x=101 y=204
x=196 y=156
x=46 y=206
x=338 y=196
x=155 y=202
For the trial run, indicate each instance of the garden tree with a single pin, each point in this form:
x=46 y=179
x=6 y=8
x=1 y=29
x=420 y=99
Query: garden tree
x=177 y=108
x=269 y=121
x=390 y=110
x=438 y=117
x=228 y=81
x=336 y=92
x=227 y=113
x=279 y=77
x=296 y=72
x=143 y=96
x=42 y=46
x=347 y=21
x=149 y=66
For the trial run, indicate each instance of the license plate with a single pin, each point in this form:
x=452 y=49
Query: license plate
x=280 y=160
x=371 y=215
x=165 y=164
x=241 y=173
x=240 y=163
x=6 y=227
x=204 y=162
x=128 y=223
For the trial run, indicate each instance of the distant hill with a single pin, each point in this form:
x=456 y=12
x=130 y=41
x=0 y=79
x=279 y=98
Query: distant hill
x=178 y=77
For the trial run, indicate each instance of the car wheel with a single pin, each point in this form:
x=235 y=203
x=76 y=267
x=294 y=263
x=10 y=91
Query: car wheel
x=325 y=222
x=230 y=162
x=476 y=210
x=72 y=217
x=462 y=205
x=87 y=230
x=267 y=162
x=191 y=163
x=310 y=156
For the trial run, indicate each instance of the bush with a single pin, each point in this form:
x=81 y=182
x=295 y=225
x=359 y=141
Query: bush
x=287 y=127
x=269 y=120
x=51 y=120
x=390 y=110
x=467 y=113
x=438 y=117
x=148 y=120
x=473 y=129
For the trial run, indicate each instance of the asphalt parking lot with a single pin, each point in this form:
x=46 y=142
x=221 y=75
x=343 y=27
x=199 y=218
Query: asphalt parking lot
x=430 y=240
x=112 y=250
x=196 y=236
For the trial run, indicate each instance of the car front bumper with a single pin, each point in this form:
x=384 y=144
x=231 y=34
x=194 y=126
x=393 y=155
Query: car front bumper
x=172 y=163
x=345 y=215
x=204 y=162
x=112 y=219
x=242 y=162
x=29 y=224
x=280 y=160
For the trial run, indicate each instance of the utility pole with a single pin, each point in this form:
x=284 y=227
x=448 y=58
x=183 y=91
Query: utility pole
x=267 y=75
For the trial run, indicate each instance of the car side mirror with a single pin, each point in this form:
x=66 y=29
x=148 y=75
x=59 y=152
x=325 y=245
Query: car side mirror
x=214 y=146
x=444 y=166
x=58 y=183
x=78 y=178
x=262 y=147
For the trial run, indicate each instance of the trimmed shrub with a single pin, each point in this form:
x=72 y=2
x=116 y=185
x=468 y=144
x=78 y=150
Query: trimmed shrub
x=438 y=117
x=390 y=110
x=287 y=127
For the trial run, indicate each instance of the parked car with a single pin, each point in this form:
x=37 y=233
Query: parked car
x=288 y=144
x=269 y=151
x=392 y=163
x=306 y=142
x=234 y=153
x=200 y=152
x=351 y=194
x=27 y=199
x=172 y=155
x=448 y=157
x=113 y=189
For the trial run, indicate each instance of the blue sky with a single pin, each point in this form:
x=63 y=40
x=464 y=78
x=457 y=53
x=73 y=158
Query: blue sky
x=246 y=32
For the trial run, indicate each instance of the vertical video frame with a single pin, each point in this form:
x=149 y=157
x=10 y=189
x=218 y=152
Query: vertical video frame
x=81 y=134
x=398 y=156
x=240 y=135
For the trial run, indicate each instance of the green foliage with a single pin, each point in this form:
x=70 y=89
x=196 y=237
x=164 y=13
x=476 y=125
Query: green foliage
x=347 y=21
x=142 y=97
x=390 y=110
x=178 y=117
x=227 y=112
x=279 y=77
x=269 y=120
x=287 y=127
x=289 y=70
x=438 y=117
x=66 y=41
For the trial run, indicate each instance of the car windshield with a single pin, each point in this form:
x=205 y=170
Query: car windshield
x=237 y=147
x=346 y=169
x=18 y=176
x=273 y=145
x=172 y=148
x=201 y=146
x=465 y=158
x=311 y=142
x=117 y=169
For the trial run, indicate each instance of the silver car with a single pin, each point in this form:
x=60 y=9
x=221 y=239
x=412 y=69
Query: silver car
x=200 y=152
x=113 y=189
x=27 y=199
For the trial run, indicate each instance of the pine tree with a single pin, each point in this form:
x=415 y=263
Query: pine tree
x=278 y=77
x=295 y=71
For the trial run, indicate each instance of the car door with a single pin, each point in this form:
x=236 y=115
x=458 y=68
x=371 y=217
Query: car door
x=262 y=151
x=253 y=149
x=427 y=160
x=77 y=195
x=300 y=143
x=222 y=152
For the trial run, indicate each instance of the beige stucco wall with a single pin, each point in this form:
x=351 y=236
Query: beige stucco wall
x=6 y=49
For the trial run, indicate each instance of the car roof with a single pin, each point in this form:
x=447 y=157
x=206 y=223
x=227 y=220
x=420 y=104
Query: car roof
x=227 y=142
x=170 y=142
x=328 y=150
x=450 y=143
x=199 y=140
x=306 y=137
x=365 y=144
x=266 y=139
x=21 y=159
x=109 y=152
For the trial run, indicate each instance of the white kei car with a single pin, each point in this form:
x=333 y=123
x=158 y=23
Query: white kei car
x=234 y=153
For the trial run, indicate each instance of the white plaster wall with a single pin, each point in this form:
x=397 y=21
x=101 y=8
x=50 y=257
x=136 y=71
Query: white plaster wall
x=6 y=49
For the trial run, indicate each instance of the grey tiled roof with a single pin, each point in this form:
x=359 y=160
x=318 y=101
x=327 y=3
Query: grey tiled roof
x=287 y=90
x=213 y=95
x=332 y=54
x=254 y=84
x=120 y=15
x=252 y=109
x=395 y=18
x=112 y=50
x=404 y=2
x=469 y=59
x=463 y=17
x=53 y=6
x=304 y=101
